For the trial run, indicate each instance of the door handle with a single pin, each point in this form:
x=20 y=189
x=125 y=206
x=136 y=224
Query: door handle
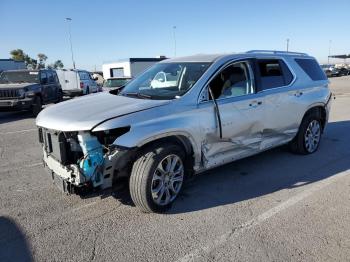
x=298 y=94
x=255 y=103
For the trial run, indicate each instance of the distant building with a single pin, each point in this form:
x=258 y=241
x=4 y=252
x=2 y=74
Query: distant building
x=130 y=67
x=10 y=64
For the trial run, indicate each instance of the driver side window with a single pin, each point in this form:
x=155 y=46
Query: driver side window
x=232 y=81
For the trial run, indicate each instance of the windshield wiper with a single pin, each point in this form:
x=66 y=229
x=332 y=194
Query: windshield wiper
x=135 y=94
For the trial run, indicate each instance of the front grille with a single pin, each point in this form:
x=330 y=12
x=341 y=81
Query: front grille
x=9 y=93
x=59 y=146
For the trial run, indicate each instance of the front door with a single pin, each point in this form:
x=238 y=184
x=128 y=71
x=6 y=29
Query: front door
x=240 y=111
x=45 y=87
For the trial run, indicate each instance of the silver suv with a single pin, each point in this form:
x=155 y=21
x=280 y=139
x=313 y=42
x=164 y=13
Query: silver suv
x=184 y=116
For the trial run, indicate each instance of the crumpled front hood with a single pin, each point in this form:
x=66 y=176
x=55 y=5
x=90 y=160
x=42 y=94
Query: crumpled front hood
x=16 y=85
x=86 y=112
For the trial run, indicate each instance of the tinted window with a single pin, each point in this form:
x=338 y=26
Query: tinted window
x=43 y=78
x=19 y=77
x=311 y=68
x=50 y=77
x=83 y=76
x=274 y=73
x=117 y=72
x=232 y=81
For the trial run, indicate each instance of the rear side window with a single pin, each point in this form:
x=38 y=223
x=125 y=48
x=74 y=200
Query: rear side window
x=82 y=76
x=312 y=69
x=273 y=73
x=50 y=77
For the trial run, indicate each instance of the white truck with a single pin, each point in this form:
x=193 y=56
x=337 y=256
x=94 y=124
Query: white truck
x=76 y=82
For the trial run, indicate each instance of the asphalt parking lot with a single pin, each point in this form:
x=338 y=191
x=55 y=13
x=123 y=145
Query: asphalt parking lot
x=275 y=206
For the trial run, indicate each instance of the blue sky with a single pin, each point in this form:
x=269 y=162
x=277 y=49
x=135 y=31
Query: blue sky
x=111 y=30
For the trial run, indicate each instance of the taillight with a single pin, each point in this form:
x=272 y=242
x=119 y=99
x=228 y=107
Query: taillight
x=81 y=85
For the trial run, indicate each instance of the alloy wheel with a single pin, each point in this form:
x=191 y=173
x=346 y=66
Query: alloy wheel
x=312 y=136
x=167 y=180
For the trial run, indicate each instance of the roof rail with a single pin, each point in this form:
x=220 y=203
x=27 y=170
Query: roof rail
x=276 y=52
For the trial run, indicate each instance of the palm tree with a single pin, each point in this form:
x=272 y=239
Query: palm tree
x=42 y=58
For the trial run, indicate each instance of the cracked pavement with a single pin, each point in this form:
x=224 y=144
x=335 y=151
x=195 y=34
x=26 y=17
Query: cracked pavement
x=275 y=206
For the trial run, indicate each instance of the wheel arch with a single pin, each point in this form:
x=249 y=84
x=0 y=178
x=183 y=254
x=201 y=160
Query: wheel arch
x=179 y=139
x=320 y=110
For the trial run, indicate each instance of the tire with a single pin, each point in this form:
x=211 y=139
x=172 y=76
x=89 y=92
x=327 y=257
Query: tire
x=152 y=187
x=309 y=135
x=37 y=106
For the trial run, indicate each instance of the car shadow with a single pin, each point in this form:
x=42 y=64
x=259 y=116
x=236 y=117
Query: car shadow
x=258 y=175
x=268 y=172
x=13 y=243
x=7 y=117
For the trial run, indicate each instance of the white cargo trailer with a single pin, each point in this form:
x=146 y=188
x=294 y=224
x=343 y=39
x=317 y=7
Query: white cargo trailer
x=130 y=67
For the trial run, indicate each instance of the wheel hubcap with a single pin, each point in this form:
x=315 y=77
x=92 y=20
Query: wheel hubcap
x=167 y=180
x=312 y=136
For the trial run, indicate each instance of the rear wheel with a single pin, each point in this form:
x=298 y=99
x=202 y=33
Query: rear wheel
x=157 y=177
x=37 y=106
x=308 y=137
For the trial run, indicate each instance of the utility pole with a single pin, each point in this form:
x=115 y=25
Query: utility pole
x=329 y=50
x=69 y=20
x=287 y=44
x=174 y=34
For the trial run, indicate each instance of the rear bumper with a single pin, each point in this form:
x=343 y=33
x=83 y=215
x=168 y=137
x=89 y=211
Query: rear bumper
x=73 y=92
x=16 y=104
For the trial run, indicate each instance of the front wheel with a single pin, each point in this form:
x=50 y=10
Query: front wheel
x=157 y=177
x=37 y=106
x=308 y=137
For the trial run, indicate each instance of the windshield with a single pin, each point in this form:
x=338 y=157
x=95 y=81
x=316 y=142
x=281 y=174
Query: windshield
x=19 y=77
x=115 y=82
x=166 y=80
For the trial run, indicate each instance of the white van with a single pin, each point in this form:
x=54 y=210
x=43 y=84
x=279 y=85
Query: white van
x=76 y=82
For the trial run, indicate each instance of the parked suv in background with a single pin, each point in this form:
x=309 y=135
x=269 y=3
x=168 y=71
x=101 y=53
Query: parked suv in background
x=28 y=89
x=330 y=70
x=216 y=109
x=77 y=82
x=115 y=83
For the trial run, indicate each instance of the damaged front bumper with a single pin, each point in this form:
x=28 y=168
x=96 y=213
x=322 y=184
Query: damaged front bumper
x=71 y=161
x=70 y=179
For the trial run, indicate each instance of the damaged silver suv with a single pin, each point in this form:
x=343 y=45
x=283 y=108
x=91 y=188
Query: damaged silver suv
x=184 y=116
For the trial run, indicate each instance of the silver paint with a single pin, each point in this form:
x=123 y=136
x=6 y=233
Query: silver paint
x=247 y=130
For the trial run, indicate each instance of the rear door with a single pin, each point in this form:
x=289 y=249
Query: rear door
x=241 y=114
x=93 y=83
x=72 y=80
x=281 y=119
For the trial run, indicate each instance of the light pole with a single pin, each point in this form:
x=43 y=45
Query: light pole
x=68 y=19
x=329 y=50
x=174 y=34
x=287 y=44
